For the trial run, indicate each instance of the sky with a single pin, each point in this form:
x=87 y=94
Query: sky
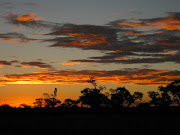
x=62 y=43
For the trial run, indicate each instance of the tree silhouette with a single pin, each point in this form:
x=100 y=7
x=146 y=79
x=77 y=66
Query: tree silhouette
x=39 y=102
x=166 y=95
x=71 y=103
x=49 y=100
x=172 y=89
x=93 y=82
x=121 y=97
x=93 y=97
x=155 y=98
x=159 y=99
x=24 y=106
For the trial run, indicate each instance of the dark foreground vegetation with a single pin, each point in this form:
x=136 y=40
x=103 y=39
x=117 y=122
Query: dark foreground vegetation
x=96 y=112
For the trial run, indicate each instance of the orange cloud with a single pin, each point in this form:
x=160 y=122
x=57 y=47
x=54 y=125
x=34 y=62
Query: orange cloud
x=25 y=66
x=168 y=53
x=169 y=44
x=134 y=34
x=70 y=63
x=14 y=41
x=119 y=58
x=29 y=66
x=38 y=35
x=162 y=39
x=35 y=64
x=28 y=18
x=126 y=24
x=86 y=39
x=135 y=77
x=168 y=23
x=81 y=39
x=16 y=29
x=89 y=65
x=76 y=63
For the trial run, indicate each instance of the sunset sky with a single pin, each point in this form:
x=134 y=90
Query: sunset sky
x=47 y=44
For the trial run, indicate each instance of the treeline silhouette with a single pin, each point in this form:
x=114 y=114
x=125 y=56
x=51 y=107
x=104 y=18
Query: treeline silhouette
x=119 y=99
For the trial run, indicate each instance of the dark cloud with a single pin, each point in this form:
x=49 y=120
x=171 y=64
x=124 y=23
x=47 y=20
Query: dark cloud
x=133 y=58
x=36 y=64
x=2 y=62
x=153 y=40
x=128 y=41
x=84 y=36
x=15 y=37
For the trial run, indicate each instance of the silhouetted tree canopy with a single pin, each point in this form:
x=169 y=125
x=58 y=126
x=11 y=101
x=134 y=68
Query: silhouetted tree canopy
x=155 y=98
x=70 y=103
x=121 y=97
x=39 y=102
x=93 y=97
x=173 y=90
x=166 y=95
x=49 y=100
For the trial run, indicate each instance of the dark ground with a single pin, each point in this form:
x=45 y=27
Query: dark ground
x=27 y=122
